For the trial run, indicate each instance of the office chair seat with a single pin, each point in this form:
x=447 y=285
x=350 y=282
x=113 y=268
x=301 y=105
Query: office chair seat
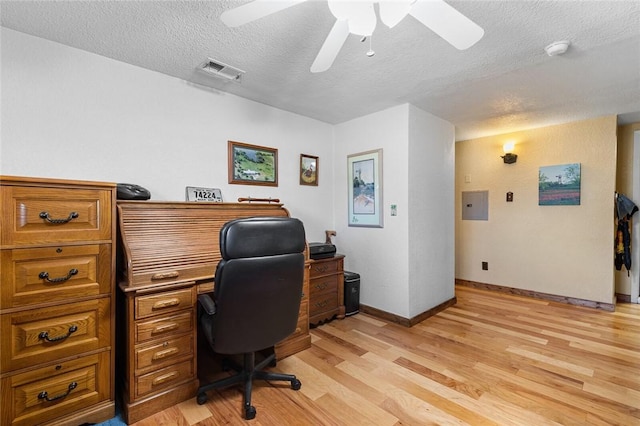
x=256 y=299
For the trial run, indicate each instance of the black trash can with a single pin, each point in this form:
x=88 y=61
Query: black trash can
x=351 y=293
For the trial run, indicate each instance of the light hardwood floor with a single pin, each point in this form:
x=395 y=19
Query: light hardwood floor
x=493 y=359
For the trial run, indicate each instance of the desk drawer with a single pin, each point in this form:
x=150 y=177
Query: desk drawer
x=318 y=286
x=166 y=326
x=69 y=386
x=40 y=215
x=44 y=335
x=167 y=351
x=166 y=302
x=165 y=378
x=39 y=275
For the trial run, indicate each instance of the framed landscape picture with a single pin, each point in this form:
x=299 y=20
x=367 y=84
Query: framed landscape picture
x=364 y=175
x=252 y=164
x=308 y=170
x=559 y=185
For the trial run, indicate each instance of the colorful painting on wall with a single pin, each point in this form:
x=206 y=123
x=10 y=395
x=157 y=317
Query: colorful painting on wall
x=559 y=185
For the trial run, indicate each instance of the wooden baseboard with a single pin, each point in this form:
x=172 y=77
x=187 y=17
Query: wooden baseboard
x=623 y=298
x=407 y=322
x=537 y=295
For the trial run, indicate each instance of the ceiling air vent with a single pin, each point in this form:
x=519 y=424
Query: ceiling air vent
x=221 y=70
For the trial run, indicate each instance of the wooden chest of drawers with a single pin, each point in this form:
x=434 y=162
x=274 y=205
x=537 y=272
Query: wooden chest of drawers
x=326 y=289
x=56 y=301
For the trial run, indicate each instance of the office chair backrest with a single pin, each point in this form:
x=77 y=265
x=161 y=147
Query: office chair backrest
x=258 y=283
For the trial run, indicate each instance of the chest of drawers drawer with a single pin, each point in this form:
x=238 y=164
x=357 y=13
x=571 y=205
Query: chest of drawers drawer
x=47 y=334
x=324 y=267
x=326 y=284
x=40 y=395
x=34 y=215
x=54 y=274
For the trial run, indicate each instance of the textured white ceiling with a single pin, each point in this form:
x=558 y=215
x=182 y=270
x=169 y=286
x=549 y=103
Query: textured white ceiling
x=504 y=83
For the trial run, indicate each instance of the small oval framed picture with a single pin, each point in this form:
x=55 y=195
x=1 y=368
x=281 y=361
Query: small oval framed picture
x=308 y=170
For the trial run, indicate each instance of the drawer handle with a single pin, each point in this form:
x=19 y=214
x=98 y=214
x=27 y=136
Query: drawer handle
x=44 y=395
x=165 y=353
x=321 y=304
x=321 y=286
x=163 y=275
x=321 y=268
x=45 y=216
x=45 y=276
x=45 y=335
x=166 y=327
x=167 y=303
x=165 y=378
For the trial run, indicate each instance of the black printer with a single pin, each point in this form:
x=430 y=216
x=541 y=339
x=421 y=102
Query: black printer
x=321 y=250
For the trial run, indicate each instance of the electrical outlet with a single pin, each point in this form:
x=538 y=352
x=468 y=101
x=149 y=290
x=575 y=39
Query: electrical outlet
x=485 y=266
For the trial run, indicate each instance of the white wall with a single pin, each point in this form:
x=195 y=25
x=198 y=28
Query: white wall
x=560 y=250
x=406 y=267
x=431 y=165
x=71 y=114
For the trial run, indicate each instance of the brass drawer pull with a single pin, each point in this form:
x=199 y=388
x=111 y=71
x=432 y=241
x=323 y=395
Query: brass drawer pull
x=321 y=304
x=165 y=353
x=44 y=395
x=321 y=286
x=165 y=378
x=164 y=328
x=45 y=216
x=45 y=276
x=167 y=303
x=45 y=335
x=321 y=268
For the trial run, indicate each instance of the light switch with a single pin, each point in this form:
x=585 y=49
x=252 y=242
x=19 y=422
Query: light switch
x=394 y=210
x=467 y=178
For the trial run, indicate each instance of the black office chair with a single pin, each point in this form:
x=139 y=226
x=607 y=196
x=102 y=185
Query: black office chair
x=256 y=300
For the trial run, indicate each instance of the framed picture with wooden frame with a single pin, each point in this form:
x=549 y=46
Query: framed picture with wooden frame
x=252 y=164
x=308 y=170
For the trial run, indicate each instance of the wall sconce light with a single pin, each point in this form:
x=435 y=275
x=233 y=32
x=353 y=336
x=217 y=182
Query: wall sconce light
x=509 y=157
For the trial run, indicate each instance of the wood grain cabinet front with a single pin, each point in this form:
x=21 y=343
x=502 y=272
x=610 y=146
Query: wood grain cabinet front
x=326 y=289
x=57 y=307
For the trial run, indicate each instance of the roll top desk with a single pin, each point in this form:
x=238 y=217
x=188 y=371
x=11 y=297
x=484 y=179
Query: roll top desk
x=168 y=255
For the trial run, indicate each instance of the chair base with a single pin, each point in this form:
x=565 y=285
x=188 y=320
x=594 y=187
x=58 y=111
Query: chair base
x=246 y=375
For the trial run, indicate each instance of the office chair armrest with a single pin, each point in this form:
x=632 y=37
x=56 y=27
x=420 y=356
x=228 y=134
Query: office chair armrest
x=207 y=304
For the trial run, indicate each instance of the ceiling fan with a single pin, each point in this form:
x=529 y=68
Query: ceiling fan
x=359 y=17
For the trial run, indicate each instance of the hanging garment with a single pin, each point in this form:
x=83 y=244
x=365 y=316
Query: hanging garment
x=625 y=208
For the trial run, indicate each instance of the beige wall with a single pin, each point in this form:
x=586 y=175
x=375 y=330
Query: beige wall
x=560 y=250
x=624 y=185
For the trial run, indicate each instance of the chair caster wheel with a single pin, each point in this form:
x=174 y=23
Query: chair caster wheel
x=250 y=412
x=202 y=398
x=296 y=384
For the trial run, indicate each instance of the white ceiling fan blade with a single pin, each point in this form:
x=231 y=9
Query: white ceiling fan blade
x=255 y=10
x=447 y=22
x=392 y=12
x=331 y=46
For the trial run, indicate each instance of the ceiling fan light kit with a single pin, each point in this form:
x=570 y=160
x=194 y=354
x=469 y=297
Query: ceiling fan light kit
x=359 y=17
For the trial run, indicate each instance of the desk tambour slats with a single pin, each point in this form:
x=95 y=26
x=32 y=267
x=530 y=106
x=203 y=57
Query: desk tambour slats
x=168 y=253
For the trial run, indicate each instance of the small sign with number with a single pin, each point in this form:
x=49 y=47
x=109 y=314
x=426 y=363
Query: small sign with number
x=204 y=194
